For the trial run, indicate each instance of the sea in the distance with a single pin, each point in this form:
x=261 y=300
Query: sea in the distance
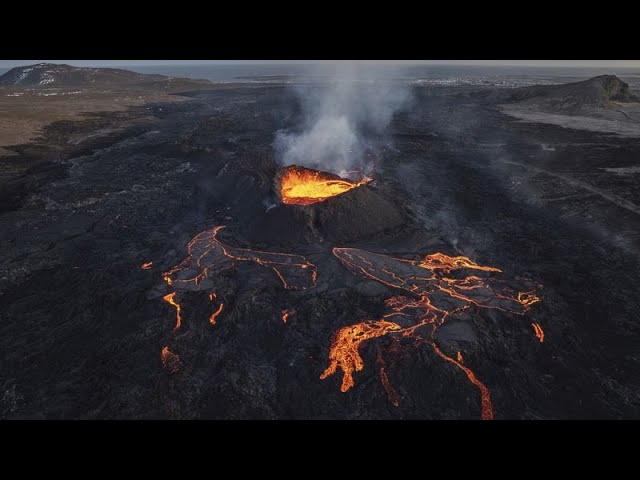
x=507 y=76
x=428 y=74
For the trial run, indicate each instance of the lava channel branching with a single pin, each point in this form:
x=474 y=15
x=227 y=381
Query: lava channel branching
x=435 y=291
x=209 y=256
x=304 y=186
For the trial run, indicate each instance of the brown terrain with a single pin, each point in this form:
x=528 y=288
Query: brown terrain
x=24 y=113
x=30 y=104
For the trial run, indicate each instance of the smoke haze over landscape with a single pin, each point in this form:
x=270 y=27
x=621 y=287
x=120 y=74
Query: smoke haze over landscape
x=341 y=121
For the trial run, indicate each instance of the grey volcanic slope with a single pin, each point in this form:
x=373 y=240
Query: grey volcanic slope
x=595 y=92
x=603 y=104
x=61 y=75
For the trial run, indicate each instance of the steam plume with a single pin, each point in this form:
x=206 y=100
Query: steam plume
x=342 y=121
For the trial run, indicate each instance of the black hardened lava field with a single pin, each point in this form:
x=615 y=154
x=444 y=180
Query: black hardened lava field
x=309 y=249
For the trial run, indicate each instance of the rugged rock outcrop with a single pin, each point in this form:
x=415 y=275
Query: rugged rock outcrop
x=596 y=92
x=61 y=75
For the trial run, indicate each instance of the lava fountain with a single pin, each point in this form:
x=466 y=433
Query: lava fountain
x=304 y=186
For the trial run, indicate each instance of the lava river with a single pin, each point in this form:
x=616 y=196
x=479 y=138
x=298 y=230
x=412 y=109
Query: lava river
x=209 y=256
x=433 y=288
x=434 y=291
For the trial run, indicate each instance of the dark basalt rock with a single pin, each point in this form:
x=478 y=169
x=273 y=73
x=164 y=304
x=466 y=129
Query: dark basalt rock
x=356 y=214
x=83 y=326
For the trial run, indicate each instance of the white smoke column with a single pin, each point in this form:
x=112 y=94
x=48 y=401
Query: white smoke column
x=342 y=120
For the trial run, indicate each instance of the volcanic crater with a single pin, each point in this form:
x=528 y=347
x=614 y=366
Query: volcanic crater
x=330 y=208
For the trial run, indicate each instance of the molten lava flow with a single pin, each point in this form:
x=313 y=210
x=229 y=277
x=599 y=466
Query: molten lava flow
x=170 y=298
x=208 y=256
x=170 y=360
x=537 y=329
x=486 y=407
x=214 y=315
x=528 y=298
x=285 y=315
x=344 y=350
x=146 y=266
x=431 y=297
x=303 y=186
x=440 y=261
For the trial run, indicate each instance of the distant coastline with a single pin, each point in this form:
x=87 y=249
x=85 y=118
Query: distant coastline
x=431 y=74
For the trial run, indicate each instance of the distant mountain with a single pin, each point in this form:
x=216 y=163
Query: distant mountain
x=61 y=75
x=595 y=92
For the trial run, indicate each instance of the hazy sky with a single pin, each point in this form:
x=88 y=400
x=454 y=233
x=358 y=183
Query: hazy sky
x=538 y=63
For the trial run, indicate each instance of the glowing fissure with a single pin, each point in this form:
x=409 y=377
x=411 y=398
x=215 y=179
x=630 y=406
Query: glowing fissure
x=486 y=407
x=146 y=265
x=435 y=296
x=303 y=186
x=537 y=329
x=170 y=298
x=214 y=315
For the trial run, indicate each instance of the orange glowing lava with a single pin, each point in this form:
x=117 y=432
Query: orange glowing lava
x=285 y=315
x=445 y=263
x=208 y=257
x=214 y=315
x=344 y=350
x=146 y=266
x=303 y=186
x=430 y=298
x=170 y=360
x=537 y=329
x=486 y=407
x=170 y=298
